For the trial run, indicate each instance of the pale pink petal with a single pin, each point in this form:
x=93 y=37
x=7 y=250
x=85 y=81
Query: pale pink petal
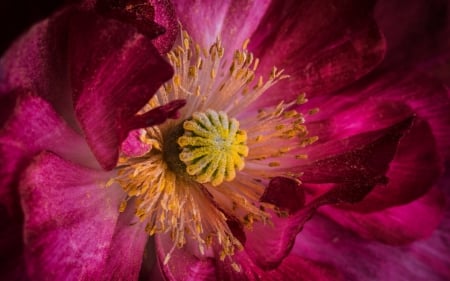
x=70 y=219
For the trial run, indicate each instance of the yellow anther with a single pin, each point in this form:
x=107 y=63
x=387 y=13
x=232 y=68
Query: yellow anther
x=213 y=147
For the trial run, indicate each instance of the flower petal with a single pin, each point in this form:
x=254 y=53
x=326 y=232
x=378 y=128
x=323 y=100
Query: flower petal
x=37 y=62
x=422 y=19
x=284 y=193
x=110 y=68
x=155 y=19
x=126 y=251
x=359 y=259
x=363 y=170
x=322 y=46
x=233 y=21
x=397 y=225
x=70 y=220
x=114 y=72
x=183 y=266
x=33 y=127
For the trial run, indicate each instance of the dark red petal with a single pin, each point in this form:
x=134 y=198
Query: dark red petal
x=155 y=19
x=323 y=46
x=427 y=20
x=365 y=163
x=286 y=194
x=156 y=116
x=7 y=103
x=114 y=72
x=69 y=219
x=410 y=161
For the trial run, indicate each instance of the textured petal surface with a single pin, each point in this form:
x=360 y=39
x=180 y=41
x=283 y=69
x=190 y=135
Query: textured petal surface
x=126 y=251
x=359 y=259
x=233 y=21
x=45 y=130
x=398 y=225
x=344 y=178
x=155 y=19
x=184 y=266
x=69 y=219
x=106 y=66
x=110 y=84
x=322 y=45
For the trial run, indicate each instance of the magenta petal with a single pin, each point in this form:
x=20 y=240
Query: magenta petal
x=114 y=72
x=133 y=146
x=364 y=169
x=69 y=219
x=183 y=265
x=398 y=225
x=34 y=127
x=359 y=259
x=232 y=21
x=293 y=268
x=37 y=62
x=126 y=251
x=323 y=46
x=276 y=239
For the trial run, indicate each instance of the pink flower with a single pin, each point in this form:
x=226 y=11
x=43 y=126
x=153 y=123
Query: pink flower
x=255 y=179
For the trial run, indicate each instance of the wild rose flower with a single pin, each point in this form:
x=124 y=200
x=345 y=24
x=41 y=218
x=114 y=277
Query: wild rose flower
x=225 y=188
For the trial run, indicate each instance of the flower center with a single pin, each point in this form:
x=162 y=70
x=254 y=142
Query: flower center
x=202 y=178
x=213 y=147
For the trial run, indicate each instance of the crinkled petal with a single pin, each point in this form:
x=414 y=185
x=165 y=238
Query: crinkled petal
x=69 y=219
x=344 y=178
x=33 y=127
x=322 y=46
x=110 y=84
x=390 y=98
x=359 y=259
x=183 y=266
x=108 y=68
x=397 y=225
x=233 y=21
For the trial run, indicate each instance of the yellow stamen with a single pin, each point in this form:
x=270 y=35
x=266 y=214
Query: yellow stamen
x=213 y=147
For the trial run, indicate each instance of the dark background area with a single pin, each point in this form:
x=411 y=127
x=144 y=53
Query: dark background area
x=16 y=16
